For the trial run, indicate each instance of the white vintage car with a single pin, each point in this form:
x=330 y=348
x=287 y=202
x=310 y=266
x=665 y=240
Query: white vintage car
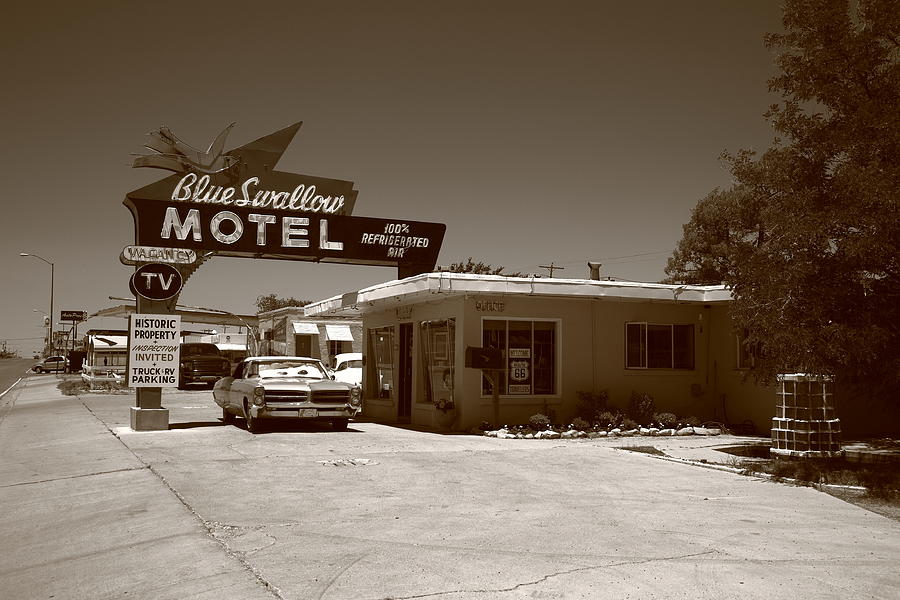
x=292 y=387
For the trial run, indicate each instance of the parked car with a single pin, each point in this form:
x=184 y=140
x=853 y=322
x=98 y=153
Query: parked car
x=51 y=363
x=289 y=387
x=201 y=363
x=348 y=367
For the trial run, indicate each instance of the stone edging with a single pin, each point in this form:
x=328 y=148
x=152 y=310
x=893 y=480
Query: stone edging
x=550 y=434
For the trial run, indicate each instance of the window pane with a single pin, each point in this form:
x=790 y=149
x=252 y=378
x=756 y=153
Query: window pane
x=519 y=358
x=544 y=357
x=635 y=350
x=493 y=335
x=659 y=346
x=380 y=373
x=438 y=342
x=683 y=341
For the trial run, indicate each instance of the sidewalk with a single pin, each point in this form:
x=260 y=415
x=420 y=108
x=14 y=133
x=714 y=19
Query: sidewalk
x=83 y=517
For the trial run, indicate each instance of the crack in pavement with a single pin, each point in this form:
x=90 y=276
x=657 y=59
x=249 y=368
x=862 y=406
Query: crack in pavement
x=337 y=575
x=21 y=483
x=557 y=574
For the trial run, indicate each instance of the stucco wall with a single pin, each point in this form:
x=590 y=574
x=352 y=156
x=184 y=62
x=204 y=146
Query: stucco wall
x=591 y=339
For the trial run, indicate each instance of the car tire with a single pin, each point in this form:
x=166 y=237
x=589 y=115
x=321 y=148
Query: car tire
x=339 y=424
x=253 y=424
x=38 y=370
x=227 y=417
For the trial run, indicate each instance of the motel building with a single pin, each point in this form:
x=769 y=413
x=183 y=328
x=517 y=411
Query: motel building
x=556 y=337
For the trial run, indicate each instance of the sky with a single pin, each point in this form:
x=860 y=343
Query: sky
x=538 y=132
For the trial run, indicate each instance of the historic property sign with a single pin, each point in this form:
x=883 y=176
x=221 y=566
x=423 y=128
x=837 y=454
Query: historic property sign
x=153 y=350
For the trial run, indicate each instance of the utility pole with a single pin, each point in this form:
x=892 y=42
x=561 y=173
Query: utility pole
x=551 y=267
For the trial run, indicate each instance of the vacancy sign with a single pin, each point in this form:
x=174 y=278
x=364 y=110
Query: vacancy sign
x=153 y=350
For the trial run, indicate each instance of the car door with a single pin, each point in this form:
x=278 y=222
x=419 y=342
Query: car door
x=222 y=390
x=240 y=382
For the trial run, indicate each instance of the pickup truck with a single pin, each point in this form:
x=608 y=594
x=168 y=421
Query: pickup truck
x=201 y=363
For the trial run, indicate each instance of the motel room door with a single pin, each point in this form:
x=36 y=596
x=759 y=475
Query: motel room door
x=404 y=408
x=303 y=345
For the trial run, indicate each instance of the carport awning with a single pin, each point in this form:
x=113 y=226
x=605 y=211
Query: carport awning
x=306 y=328
x=338 y=333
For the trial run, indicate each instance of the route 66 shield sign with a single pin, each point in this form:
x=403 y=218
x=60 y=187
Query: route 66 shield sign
x=518 y=370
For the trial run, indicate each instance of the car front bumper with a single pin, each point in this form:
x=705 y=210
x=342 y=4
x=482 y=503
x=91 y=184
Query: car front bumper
x=303 y=412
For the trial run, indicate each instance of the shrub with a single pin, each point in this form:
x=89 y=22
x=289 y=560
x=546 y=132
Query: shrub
x=539 y=422
x=692 y=421
x=590 y=405
x=628 y=423
x=580 y=424
x=666 y=420
x=641 y=407
x=608 y=419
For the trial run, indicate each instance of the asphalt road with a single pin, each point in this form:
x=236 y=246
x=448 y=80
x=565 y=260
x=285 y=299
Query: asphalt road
x=11 y=369
x=208 y=510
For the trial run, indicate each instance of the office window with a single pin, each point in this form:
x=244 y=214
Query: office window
x=659 y=346
x=530 y=355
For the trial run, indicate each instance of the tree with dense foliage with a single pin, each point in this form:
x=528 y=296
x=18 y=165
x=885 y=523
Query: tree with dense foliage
x=479 y=268
x=808 y=238
x=273 y=302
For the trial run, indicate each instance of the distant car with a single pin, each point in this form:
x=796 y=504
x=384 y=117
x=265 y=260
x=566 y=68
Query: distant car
x=201 y=363
x=51 y=363
x=348 y=367
x=287 y=387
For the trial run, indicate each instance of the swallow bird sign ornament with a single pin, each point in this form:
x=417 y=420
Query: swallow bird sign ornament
x=172 y=154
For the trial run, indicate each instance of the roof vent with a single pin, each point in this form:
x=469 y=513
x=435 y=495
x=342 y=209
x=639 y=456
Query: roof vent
x=595 y=270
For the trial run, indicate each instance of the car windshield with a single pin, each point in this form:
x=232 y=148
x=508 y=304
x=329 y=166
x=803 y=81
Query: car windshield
x=350 y=364
x=288 y=368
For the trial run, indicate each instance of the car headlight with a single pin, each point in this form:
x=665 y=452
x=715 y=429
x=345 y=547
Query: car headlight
x=259 y=396
x=355 y=394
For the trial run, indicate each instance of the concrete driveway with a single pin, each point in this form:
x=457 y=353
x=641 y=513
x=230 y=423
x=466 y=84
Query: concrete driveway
x=387 y=512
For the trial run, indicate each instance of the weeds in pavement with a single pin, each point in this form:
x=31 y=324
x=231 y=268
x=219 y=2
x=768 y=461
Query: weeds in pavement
x=881 y=480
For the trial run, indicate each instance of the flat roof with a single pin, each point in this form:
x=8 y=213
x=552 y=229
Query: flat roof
x=425 y=286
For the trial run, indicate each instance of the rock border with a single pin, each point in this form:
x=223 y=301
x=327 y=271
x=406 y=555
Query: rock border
x=551 y=434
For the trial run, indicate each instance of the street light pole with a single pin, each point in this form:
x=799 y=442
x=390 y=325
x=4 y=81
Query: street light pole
x=50 y=324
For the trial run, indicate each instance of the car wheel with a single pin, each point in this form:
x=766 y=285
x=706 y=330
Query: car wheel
x=339 y=424
x=227 y=417
x=253 y=424
x=38 y=370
